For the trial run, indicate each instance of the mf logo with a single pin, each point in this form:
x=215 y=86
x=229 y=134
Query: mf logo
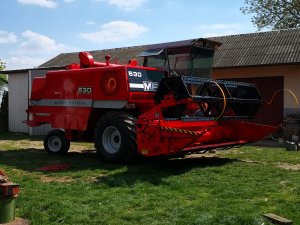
x=150 y=86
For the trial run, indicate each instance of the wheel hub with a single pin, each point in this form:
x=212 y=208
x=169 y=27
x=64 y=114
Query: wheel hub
x=54 y=144
x=111 y=139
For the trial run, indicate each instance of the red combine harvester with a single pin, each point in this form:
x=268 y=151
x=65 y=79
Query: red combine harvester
x=168 y=106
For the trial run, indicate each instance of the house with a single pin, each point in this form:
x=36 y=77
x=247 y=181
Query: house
x=271 y=60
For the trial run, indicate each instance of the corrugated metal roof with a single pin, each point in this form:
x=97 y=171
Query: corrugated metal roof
x=119 y=55
x=258 y=49
x=243 y=50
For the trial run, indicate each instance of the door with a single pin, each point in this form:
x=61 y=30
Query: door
x=271 y=114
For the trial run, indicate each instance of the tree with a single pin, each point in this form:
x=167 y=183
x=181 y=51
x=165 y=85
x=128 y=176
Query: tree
x=3 y=80
x=3 y=77
x=274 y=14
x=3 y=100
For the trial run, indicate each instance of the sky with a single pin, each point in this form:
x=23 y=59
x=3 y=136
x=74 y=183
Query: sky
x=34 y=31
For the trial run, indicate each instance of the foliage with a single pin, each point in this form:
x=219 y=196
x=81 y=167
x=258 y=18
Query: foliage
x=3 y=99
x=3 y=77
x=231 y=187
x=2 y=65
x=274 y=14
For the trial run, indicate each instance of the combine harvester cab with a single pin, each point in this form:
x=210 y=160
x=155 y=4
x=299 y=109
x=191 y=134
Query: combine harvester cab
x=168 y=106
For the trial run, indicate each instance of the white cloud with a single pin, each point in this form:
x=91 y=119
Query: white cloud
x=33 y=50
x=115 y=31
x=127 y=5
x=34 y=42
x=7 y=37
x=220 y=29
x=23 y=62
x=43 y=3
x=89 y=23
x=69 y=1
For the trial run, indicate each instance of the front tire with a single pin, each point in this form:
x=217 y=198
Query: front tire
x=55 y=143
x=115 y=138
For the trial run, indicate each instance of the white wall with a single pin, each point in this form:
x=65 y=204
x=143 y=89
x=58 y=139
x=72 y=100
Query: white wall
x=17 y=102
x=18 y=98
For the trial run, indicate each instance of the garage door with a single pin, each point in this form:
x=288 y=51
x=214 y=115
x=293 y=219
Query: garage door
x=267 y=86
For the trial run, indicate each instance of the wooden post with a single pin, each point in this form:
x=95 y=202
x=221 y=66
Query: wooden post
x=277 y=219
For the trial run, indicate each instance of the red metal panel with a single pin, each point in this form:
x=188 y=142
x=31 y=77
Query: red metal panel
x=103 y=75
x=69 y=96
x=156 y=136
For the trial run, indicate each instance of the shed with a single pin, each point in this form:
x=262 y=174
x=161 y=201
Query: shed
x=19 y=85
x=269 y=59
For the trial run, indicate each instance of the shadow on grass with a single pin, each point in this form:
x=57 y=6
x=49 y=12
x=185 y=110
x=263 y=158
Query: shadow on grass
x=18 y=137
x=149 y=170
x=31 y=159
x=155 y=170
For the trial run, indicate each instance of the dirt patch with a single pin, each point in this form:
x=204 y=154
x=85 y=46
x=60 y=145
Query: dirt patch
x=65 y=179
x=20 y=172
x=44 y=178
x=38 y=145
x=211 y=154
x=288 y=166
x=81 y=149
x=22 y=144
x=97 y=180
x=249 y=161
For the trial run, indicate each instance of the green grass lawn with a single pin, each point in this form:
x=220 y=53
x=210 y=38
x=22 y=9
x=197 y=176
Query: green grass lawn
x=233 y=187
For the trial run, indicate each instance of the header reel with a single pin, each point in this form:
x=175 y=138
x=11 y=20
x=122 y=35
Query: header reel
x=211 y=99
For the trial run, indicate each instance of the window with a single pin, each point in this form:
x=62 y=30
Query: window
x=183 y=61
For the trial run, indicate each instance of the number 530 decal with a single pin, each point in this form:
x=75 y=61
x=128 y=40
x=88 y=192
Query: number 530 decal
x=134 y=74
x=85 y=90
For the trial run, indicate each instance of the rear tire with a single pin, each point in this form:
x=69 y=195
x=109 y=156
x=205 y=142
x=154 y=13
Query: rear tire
x=115 y=138
x=55 y=143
